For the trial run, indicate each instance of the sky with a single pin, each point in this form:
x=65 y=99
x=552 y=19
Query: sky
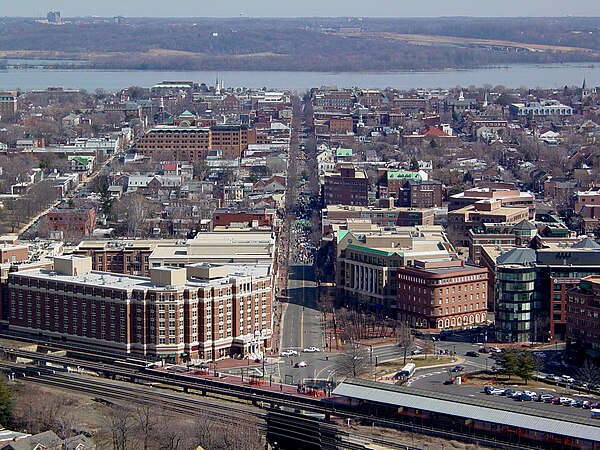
x=301 y=8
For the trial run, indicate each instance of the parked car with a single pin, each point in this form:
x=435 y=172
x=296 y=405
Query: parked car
x=555 y=400
x=566 y=401
x=577 y=404
x=300 y=364
x=289 y=353
x=545 y=398
x=416 y=352
x=484 y=350
x=551 y=377
x=567 y=379
x=488 y=389
x=508 y=392
x=497 y=391
x=495 y=350
x=472 y=354
x=524 y=397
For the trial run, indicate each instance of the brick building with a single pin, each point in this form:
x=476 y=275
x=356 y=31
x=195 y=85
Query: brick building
x=462 y=220
x=506 y=193
x=8 y=103
x=583 y=317
x=261 y=218
x=126 y=257
x=195 y=143
x=74 y=221
x=202 y=311
x=338 y=217
x=442 y=294
x=420 y=194
x=348 y=186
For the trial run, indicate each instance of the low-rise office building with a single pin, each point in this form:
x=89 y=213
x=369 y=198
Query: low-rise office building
x=440 y=294
x=367 y=263
x=583 y=317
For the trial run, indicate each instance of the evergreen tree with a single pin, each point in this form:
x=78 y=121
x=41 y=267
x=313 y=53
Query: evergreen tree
x=508 y=361
x=414 y=164
x=525 y=366
x=6 y=402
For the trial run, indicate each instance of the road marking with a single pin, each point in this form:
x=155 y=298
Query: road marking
x=302 y=330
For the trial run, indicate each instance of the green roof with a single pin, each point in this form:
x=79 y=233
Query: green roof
x=343 y=152
x=341 y=235
x=81 y=159
x=403 y=175
x=374 y=251
x=186 y=113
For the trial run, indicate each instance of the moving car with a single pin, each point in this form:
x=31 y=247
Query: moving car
x=472 y=354
x=311 y=350
x=457 y=369
x=289 y=353
x=416 y=352
x=300 y=364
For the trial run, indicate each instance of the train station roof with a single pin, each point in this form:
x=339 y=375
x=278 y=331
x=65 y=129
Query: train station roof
x=471 y=408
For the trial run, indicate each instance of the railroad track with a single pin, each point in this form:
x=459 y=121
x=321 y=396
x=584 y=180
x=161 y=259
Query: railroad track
x=185 y=404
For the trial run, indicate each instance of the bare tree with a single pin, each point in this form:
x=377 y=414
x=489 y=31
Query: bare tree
x=134 y=211
x=353 y=362
x=146 y=421
x=404 y=339
x=589 y=373
x=37 y=411
x=117 y=430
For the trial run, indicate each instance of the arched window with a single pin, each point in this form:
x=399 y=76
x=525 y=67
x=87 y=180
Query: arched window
x=471 y=318
x=477 y=318
x=453 y=322
x=459 y=321
x=447 y=323
x=440 y=324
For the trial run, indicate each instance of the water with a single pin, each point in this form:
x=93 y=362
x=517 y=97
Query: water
x=512 y=76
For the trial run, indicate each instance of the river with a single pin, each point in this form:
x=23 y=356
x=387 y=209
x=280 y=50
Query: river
x=512 y=76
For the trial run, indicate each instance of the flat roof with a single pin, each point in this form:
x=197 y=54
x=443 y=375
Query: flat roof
x=483 y=410
x=130 y=282
x=456 y=270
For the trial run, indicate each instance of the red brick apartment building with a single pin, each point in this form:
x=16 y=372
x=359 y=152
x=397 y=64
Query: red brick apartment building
x=348 y=186
x=195 y=143
x=80 y=220
x=202 y=311
x=442 y=294
x=583 y=316
x=126 y=257
x=251 y=219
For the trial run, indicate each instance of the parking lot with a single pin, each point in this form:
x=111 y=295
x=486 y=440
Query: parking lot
x=549 y=407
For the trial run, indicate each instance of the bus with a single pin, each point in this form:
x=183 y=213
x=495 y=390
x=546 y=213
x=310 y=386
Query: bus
x=407 y=371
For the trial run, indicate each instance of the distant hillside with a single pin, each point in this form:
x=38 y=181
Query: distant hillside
x=315 y=44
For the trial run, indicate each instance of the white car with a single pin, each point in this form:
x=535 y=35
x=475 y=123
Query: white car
x=289 y=353
x=311 y=350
